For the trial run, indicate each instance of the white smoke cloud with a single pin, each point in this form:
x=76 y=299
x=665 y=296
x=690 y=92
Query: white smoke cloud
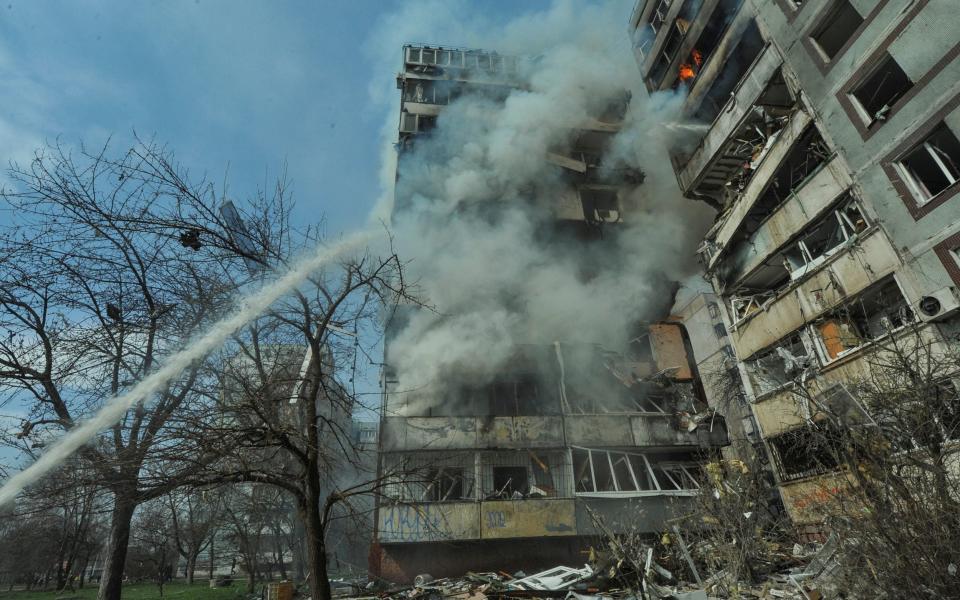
x=478 y=197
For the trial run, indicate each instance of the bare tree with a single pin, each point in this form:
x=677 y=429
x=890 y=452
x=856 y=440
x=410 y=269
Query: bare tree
x=194 y=516
x=94 y=292
x=152 y=549
x=288 y=396
x=887 y=437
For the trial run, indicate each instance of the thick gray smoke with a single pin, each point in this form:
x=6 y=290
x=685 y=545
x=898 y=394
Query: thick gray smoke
x=475 y=201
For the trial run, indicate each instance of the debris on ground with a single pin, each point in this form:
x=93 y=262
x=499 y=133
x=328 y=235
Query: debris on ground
x=802 y=573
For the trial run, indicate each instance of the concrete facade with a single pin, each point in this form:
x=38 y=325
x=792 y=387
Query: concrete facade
x=504 y=473
x=831 y=154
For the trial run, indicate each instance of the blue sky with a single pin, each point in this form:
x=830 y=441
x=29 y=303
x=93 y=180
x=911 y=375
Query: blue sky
x=236 y=88
x=239 y=85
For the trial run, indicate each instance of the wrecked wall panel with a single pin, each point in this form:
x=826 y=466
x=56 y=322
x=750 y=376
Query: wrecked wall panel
x=527 y=518
x=430 y=433
x=430 y=522
x=809 y=202
x=620 y=515
x=664 y=432
x=519 y=432
x=798 y=124
x=808 y=501
x=669 y=353
x=779 y=412
x=749 y=91
x=852 y=271
x=598 y=431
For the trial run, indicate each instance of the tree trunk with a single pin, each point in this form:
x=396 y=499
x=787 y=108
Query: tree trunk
x=191 y=567
x=116 y=555
x=213 y=539
x=316 y=546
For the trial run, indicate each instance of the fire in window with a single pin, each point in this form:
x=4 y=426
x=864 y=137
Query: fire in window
x=842 y=20
x=931 y=166
x=877 y=94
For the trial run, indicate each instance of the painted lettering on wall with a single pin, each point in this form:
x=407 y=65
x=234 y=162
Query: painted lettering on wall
x=496 y=519
x=411 y=523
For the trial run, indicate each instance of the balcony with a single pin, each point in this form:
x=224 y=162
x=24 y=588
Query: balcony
x=452 y=433
x=641 y=431
x=711 y=164
x=653 y=430
x=805 y=205
x=733 y=222
x=513 y=519
x=842 y=276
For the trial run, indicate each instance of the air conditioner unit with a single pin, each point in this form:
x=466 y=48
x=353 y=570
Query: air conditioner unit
x=408 y=122
x=937 y=305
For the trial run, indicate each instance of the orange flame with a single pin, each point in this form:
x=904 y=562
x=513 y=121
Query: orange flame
x=697 y=57
x=686 y=72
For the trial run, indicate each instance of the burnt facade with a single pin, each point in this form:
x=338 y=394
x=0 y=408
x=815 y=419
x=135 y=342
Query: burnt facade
x=830 y=150
x=503 y=471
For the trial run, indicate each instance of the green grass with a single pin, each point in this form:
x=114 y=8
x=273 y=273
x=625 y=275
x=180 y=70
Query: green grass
x=143 y=591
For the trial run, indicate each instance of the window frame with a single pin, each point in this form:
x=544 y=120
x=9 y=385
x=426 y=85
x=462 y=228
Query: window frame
x=917 y=189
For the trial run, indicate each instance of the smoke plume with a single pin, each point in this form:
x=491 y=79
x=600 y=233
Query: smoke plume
x=473 y=205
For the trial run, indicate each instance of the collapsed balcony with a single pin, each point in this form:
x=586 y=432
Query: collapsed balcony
x=757 y=271
x=740 y=135
x=877 y=312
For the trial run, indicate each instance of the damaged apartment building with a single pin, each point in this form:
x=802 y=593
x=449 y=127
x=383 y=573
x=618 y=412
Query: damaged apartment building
x=831 y=151
x=505 y=474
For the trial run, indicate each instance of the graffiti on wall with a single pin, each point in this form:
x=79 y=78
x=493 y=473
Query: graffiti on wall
x=428 y=522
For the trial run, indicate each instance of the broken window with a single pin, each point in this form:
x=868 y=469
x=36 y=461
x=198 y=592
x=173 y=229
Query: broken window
x=426 y=477
x=874 y=314
x=445 y=484
x=414 y=123
x=823 y=239
x=931 y=166
x=509 y=475
x=877 y=94
x=510 y=482
x=625 y=473
x=836 y=28
x=426 y=91
x=643 y=38
x=750 y=429
x=809 y=152
x=804 y=451
x=708 y=41
x=713 y=309
x=659 y=14
x=516 y=397
x=735 y=67
x=778 y=366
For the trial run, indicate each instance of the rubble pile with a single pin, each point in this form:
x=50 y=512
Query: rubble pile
x=612 y=574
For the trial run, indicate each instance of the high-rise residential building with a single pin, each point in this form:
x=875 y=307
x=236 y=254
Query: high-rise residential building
x=505 y=472
x=826 y=133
